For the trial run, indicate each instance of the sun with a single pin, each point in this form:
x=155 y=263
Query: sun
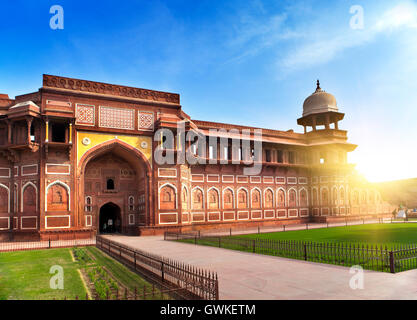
x=384 y=167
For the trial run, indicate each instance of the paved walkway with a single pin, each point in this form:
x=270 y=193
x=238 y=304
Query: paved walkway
x=254 y=276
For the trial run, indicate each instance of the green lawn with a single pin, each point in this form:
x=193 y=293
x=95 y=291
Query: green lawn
x=347 y=246
x=390 y=234
x=25 y=275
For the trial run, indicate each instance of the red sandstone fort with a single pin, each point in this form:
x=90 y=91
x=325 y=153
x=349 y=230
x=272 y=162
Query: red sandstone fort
x=78 y=158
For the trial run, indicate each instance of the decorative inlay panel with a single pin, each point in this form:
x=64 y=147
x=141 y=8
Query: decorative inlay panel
x=145 y=120
x=117 y=118
x=85 y=115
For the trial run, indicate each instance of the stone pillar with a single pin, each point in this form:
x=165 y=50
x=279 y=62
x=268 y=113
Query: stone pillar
x=70 y=133
x=29 y=125
x=46 y=130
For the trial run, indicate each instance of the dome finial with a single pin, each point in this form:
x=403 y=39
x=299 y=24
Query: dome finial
x=318 y=89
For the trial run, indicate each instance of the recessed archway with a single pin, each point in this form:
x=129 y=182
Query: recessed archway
x=115 y=172
x=110 y=219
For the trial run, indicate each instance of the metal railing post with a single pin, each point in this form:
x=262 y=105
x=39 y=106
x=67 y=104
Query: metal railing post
x=391 y=262
x=305 y=252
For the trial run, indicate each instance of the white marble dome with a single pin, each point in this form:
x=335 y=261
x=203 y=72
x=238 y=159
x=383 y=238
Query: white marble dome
x=319 y=102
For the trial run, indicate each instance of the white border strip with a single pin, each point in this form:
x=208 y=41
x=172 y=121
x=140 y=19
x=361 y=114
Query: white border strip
x=36 y=223
x=60 y=216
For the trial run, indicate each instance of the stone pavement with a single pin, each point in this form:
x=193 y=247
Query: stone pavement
x=253 y=276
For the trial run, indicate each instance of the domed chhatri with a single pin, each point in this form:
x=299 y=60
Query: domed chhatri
x=320 y=101
x=320 y=109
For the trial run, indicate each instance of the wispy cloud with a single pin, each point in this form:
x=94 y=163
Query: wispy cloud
x=323 y=49
x=315 y=42
x=253 y=35
x=402 y=15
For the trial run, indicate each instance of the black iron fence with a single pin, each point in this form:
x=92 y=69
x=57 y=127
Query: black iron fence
x=237 y=230
x=371 y=257
x=45 y=244
x=188 y=281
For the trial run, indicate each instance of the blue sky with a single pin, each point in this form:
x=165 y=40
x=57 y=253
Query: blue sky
x=243 y=62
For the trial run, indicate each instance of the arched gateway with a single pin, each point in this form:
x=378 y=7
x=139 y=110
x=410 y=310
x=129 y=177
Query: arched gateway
x=113 y=178
x=109 y=218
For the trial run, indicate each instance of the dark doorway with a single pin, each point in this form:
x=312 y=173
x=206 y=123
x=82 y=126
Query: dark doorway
x=110 y=219
x=58 y=132
x=110 y=184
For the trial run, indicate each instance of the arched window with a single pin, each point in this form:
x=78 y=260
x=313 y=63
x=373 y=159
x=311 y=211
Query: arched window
x=281 y=198
x=292 y=196
x=371 y=197
x=355 y=197
x=198 y=199
x=315 y=197
x=184 y=198
x=363 y=196
x=131 y=203
x=213 y=199
x=335 y=194
x=303 y=198
x=16 y=200
x=167 y=198
x=242 y=199
x=88 y=204
x=58 y=197
x=324 y=197
x=4 y=199
x=228 y=199
x=256 y=199
x=29 y=198
x=110 y=184
x=269 y=199
x=342 y=196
